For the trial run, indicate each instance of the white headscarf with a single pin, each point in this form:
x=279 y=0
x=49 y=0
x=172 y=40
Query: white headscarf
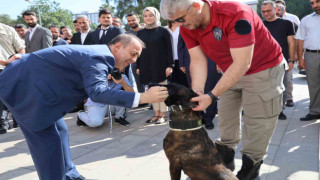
x=156 y=14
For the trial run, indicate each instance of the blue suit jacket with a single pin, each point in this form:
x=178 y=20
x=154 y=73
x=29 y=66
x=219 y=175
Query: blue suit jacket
x=43 y=86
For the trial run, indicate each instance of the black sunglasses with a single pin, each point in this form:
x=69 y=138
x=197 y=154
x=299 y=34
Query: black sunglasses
x=181 y=19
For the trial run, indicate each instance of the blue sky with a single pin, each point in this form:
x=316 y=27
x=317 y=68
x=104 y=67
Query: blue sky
x=15 y=7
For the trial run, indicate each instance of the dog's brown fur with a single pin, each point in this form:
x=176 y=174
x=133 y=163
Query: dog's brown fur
x=191 y=151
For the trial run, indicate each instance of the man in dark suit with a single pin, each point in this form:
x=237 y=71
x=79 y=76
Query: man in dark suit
x=41 y=87
x=37 y=37
x=107 y=31
x=84 y=36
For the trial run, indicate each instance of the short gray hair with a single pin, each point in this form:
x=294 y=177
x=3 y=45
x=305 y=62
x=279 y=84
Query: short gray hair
x=126 y=39
x=273 y=4
x=83 y=17
x=281 y=6
x=169 y=7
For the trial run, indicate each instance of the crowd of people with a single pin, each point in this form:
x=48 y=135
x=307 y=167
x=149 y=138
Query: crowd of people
x=218 y=52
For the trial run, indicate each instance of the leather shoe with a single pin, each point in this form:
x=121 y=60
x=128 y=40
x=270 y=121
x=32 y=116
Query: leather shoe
x=282 y=116
x=290 y=103
x=80 y=122
x=310 y=117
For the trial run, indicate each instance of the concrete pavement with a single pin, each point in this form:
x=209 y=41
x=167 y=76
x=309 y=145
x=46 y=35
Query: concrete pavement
x=136 y=153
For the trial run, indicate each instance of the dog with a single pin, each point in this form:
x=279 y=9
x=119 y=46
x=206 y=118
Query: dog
x=187 y=145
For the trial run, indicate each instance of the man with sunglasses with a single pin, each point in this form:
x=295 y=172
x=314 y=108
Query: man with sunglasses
x=233 y=35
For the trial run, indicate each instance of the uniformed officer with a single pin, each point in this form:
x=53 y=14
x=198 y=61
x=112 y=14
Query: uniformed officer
x=233 y=35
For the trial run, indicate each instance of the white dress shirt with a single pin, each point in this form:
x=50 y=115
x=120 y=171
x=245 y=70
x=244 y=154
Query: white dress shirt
x=101 y=32
x=291 y=17
x=175 y=37
x=32 y=30
x=84 y=35
x=309 y=31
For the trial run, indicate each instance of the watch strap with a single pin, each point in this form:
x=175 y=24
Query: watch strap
x=213 y=97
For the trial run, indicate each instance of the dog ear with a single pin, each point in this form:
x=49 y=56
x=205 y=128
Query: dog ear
x=186 y=102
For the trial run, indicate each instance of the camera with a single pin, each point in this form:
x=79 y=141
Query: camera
x=116 y=74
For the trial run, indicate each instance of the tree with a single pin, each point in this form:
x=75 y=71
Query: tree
x=300 y=8
x=5 y=19
x=107 y=6
x=51 y=14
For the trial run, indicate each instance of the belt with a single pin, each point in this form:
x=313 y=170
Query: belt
x=313 y=51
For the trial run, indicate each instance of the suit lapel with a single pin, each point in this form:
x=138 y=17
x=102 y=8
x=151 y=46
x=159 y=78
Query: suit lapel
x=26 y=38
x=35 y=33
x=109 y=32
x=88 y=37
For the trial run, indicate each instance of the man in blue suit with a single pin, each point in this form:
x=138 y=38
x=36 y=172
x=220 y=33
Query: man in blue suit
x=41 y=87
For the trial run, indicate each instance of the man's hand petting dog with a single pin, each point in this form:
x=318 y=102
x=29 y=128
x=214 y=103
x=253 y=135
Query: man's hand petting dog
x=204 y=100
x=154 y=95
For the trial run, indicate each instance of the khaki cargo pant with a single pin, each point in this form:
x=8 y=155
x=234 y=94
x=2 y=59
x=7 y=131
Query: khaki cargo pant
x=260 y=97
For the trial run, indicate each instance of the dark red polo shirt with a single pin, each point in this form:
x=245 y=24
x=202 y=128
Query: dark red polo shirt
x=225 y=31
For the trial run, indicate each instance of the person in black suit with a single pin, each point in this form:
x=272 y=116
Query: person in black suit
x=107 y=31
x=84 y=36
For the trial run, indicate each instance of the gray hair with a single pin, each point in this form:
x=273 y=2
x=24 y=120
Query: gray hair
x=169 y=7
x=156 y=14
x=83 y=17
x=281 y=7
x=281 y=1
x=125 y=40
x=273 y=4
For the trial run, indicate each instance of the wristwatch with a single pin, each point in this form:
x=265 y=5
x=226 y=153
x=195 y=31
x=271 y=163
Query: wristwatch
x=213 y=97
x=291 y=61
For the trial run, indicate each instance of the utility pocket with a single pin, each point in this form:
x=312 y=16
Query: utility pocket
x=274 y=96
x=263 y=105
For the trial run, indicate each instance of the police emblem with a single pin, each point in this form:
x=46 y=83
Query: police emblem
x=217 y=33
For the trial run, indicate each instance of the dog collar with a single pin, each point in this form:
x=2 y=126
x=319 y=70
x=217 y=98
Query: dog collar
x=185 y=125
x=178 y=108
x=181 y=130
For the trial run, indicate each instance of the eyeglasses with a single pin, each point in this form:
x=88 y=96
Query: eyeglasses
x=181 y=19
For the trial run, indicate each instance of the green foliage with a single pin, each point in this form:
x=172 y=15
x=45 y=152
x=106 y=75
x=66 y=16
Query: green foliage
x=5 y=19
x=51 y=14
x=107 y=6
x=93 y=26
x=300 y=8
